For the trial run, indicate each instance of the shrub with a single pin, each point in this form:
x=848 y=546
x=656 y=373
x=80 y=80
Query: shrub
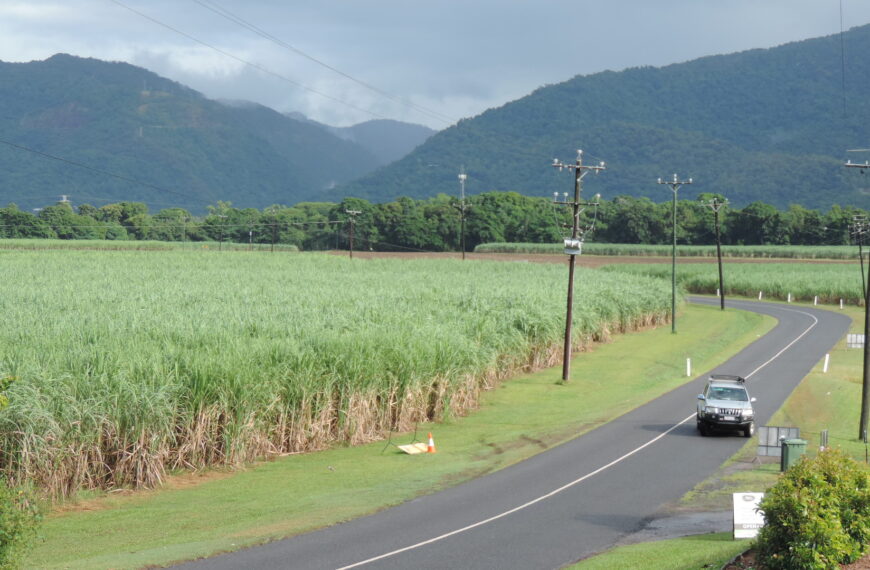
x=19 y=517
x=817 y=515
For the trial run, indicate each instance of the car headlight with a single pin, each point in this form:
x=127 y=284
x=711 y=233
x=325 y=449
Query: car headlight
x=746 y=413
x=711 y=410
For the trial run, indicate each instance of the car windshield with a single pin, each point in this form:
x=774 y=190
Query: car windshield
x=724 y=393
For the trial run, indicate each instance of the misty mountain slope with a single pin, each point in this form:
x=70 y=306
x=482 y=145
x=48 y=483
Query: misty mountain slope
x=122 y=119
x=388 y=140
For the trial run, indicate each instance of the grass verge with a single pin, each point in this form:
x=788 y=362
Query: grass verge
x=202 y=514
x=697 y=551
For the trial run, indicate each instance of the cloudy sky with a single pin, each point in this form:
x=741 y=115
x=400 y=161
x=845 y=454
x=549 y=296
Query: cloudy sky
x=346 y=61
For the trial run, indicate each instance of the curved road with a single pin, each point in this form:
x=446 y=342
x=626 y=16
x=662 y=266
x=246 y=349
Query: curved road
x=575 y=499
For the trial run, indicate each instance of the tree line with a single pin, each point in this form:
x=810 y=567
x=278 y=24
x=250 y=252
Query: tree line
x=433 y=224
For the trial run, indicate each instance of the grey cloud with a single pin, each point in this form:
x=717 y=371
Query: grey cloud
x=456 y=57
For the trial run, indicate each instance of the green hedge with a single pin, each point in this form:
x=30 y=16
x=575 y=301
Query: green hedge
x=817 y=515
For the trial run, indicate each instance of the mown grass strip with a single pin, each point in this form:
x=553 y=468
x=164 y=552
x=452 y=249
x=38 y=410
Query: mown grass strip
x=686 y=553
x=200 y=515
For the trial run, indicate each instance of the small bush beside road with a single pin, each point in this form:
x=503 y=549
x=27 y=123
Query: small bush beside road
x=19 y=518
x=817 y=515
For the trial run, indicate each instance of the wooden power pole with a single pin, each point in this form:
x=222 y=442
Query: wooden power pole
x=353 y=214
x=573 y=245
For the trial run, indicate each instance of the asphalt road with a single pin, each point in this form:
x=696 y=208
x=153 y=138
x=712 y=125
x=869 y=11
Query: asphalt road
x=573 y=500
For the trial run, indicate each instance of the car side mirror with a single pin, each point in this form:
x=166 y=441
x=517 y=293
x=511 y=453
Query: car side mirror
x=701 y=397
x=753 y=399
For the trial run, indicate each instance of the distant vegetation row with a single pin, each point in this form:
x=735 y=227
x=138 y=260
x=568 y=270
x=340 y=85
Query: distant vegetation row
x=830 y=282
x=147 y=245
x=647 y=250
x=433 y=224
x=149 y=363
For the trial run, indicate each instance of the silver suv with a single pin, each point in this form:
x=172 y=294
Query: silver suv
x=726 y=404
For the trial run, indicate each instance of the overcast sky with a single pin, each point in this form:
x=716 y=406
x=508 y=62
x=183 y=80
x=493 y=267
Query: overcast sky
x=428 y=62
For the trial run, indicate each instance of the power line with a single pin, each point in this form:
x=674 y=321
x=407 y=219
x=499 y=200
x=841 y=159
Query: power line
x=98 y=170
x=843 y=59
x=246 y=62
x=223 y=12
x=175 y=224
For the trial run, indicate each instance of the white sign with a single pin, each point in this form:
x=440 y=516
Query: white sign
x=748 y=520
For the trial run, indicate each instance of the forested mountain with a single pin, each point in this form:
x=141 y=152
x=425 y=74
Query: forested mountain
x=192 y=151
x=767 y=124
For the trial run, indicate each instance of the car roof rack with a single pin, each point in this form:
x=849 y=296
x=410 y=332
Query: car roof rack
x=728 y=378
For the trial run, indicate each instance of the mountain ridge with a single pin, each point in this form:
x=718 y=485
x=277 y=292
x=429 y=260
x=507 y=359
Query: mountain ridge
x=762 y=124
x=182 y=148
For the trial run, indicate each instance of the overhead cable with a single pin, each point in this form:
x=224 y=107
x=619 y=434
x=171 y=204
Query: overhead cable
x=246 y=62
x=223 y=12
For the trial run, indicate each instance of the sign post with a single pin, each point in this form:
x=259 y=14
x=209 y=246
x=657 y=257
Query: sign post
x=748 y=520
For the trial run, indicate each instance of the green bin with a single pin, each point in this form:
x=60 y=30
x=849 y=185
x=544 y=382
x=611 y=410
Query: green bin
x=792 y=449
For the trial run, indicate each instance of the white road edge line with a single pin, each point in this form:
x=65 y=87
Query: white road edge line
x=789 y=345
x=523 y=506
x=579 y=480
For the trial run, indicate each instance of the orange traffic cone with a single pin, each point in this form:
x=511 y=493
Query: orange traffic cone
x=431 y=448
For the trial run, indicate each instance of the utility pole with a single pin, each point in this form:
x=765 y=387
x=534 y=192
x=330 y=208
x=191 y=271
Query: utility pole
x=716 y=205
x=858 y=231
x=462 y=178
x=221 y=240
x=274 y=234
x=865 y=389
x=675 y=186
x=353 y=214
x=574 y=244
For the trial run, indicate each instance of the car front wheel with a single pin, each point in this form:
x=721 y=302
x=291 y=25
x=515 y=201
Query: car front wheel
x=749 y=430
